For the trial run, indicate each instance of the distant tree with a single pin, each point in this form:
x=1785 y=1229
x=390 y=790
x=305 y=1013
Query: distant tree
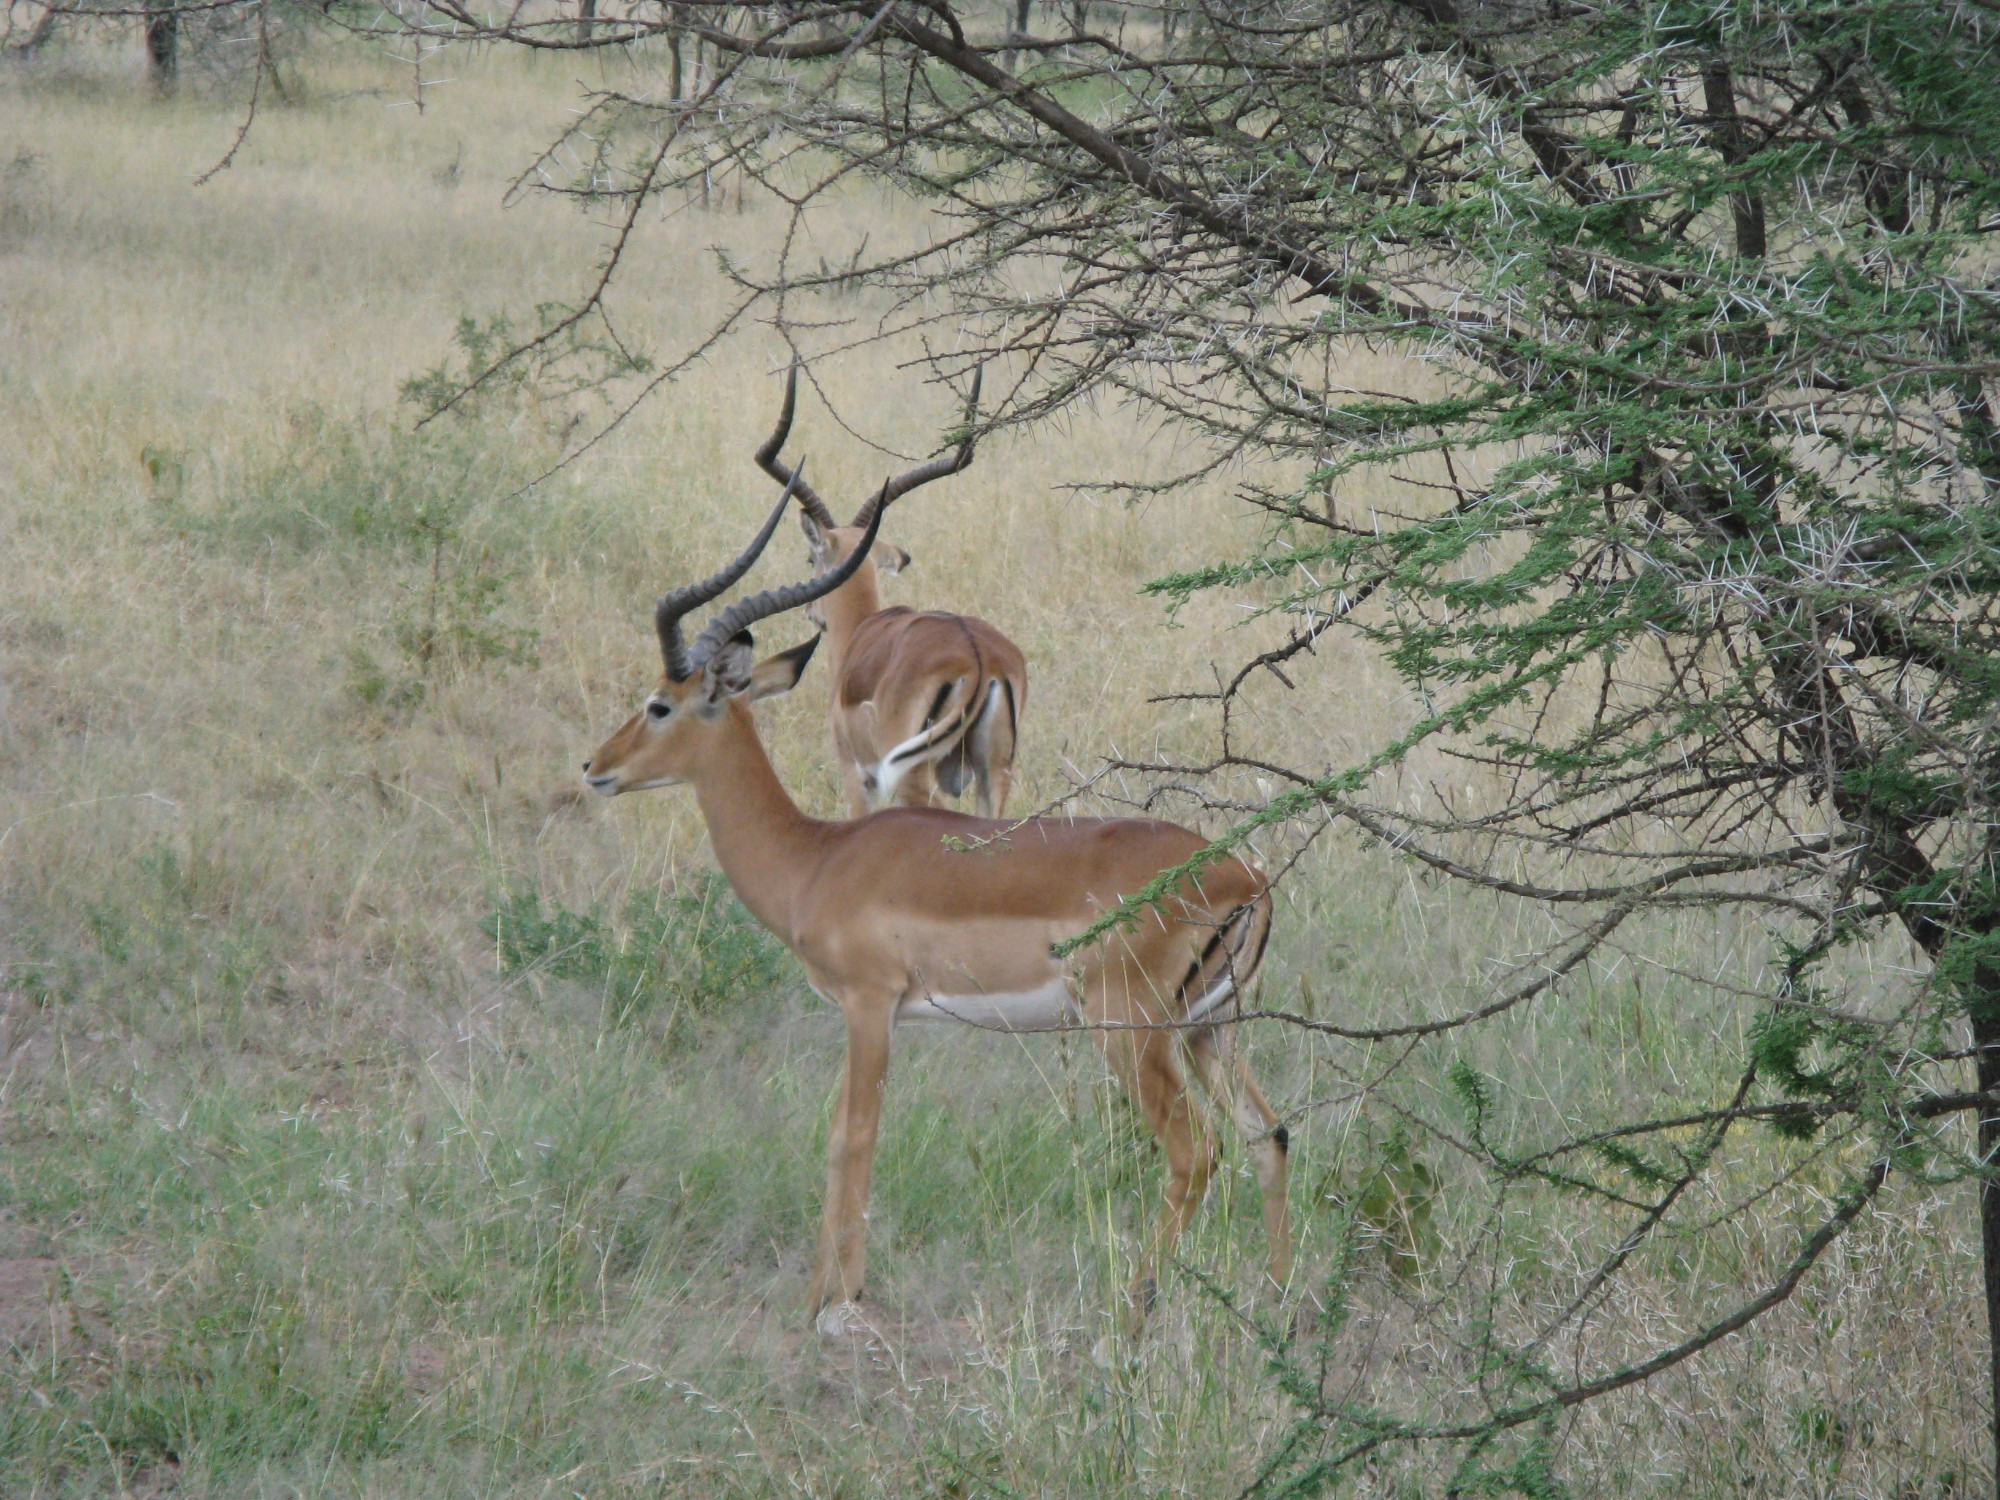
x=163 y=41
x=1699 y=561
x=228 y=42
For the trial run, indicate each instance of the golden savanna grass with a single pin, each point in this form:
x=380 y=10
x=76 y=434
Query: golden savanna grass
x=356 y=1141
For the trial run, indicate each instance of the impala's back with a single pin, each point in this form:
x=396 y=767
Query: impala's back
x=963 y=914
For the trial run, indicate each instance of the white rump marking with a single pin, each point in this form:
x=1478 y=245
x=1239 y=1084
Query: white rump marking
x=889 y=774
x=1212 y=997
x=1043 y=1009
x=881 y=785
x=897 y=763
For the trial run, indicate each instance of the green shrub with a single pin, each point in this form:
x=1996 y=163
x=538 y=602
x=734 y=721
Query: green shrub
x=674 y=956
x=365 y=483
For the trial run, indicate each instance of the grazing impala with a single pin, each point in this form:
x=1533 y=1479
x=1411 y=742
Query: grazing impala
x=922 y=701
x=924 y=913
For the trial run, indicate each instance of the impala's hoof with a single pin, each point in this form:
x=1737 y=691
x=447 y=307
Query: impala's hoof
x=839 y=1320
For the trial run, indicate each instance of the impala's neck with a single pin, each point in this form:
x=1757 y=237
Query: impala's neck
x=845 y=608
x=765 y=845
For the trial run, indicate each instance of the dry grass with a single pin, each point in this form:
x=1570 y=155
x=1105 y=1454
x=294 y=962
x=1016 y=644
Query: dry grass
x=307 y=1190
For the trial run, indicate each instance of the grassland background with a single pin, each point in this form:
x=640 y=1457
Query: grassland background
x=314 y=1180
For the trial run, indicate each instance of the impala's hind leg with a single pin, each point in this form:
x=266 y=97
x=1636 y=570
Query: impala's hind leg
x=993 y=790
x=1225 y=1076
x=990 y=748
x=919 y=788
x=1142 y=1057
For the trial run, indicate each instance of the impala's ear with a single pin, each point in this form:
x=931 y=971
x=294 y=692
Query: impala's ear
x=890 y=560
x=727 y=673
x=816 y=537
x=781 y=673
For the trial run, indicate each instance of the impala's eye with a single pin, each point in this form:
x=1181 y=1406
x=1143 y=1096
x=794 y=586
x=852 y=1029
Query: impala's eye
x=657 y=710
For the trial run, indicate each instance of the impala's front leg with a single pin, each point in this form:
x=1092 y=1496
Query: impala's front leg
x=850 y=1164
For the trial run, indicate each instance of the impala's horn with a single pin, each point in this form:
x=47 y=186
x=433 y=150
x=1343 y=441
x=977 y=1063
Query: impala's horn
x=767 y=456
x=676 y=603
x=937 y=468
x=744 y=613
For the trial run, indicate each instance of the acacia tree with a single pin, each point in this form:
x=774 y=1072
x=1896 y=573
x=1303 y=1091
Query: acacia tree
x=1699 y=555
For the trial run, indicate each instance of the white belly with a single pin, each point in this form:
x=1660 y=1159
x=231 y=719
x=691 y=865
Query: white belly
x=1042 y=1009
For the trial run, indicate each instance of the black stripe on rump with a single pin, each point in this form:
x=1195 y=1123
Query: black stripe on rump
x=1201 y=963
x=1253 y=906
x=1237 y=926
x=936 y=736
x=938 y=703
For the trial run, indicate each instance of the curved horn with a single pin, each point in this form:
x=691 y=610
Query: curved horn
x=767 y=455
x=677 y=602
x=744 y=613
x=937 y=468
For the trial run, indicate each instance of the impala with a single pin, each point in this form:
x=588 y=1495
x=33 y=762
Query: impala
x=929 y=914
x=922 y=701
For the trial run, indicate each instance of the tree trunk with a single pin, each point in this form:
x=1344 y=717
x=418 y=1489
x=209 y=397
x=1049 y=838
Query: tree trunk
x=586 y=20
x=1012 y=57
x=1896 y=864
x=1984 y=1012
x=162 y=41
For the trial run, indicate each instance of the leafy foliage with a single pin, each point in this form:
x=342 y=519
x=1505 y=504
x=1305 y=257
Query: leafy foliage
x=571 y=355
x=1397 y=1201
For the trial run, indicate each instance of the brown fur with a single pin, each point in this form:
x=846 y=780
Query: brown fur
x=899 y=672
x=910 y=903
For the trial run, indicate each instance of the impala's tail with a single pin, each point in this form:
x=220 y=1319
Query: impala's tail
x=958 y=706
x=988 y=741
x=1229 y=962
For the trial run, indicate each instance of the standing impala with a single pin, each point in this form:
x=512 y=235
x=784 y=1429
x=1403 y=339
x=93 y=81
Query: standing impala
x=921 y=701
x=923 y=913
